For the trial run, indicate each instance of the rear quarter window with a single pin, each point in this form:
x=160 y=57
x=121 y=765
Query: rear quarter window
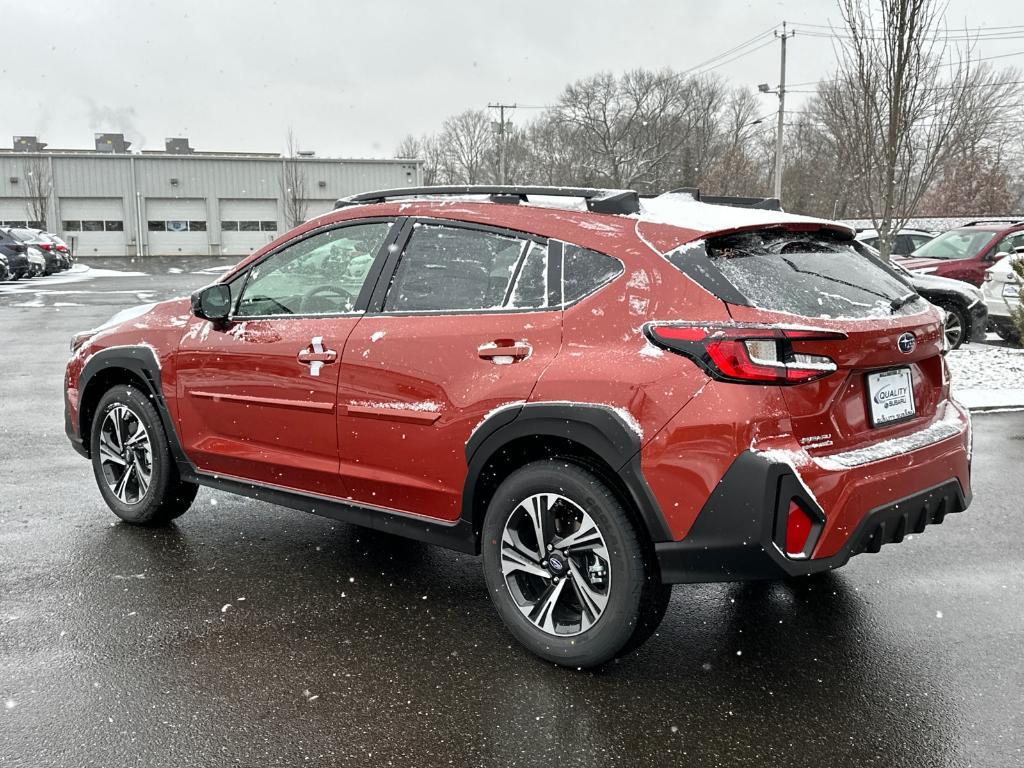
x=584 y=271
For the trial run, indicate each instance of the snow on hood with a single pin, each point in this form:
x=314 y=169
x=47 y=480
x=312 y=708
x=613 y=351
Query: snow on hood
x=680 y=209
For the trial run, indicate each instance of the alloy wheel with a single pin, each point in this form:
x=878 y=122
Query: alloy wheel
x=126 y=454
x=555 y=564
x=954 y=329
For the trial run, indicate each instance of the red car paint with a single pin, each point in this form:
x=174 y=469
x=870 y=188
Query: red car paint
x=386 y=423
x=971 y=269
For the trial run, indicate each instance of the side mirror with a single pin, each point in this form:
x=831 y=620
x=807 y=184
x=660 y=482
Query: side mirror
x=998 y=256
x=212 y=302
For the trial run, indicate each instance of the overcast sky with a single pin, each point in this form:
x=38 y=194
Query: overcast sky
x=352 y=78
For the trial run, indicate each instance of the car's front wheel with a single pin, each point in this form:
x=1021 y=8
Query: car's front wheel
x=132 y=462
x=565 y=566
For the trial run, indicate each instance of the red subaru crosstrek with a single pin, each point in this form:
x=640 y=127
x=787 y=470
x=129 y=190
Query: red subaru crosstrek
x=603 y=395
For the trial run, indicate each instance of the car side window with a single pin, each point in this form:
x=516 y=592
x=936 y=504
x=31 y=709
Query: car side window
x=1010 y=243
x=584 y=271
x=453 y=268
x=320 y=275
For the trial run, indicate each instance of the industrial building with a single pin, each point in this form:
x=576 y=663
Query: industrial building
x=110 y=201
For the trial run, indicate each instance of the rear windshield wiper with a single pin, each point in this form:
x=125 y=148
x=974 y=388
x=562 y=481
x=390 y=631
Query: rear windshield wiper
x=902 y=301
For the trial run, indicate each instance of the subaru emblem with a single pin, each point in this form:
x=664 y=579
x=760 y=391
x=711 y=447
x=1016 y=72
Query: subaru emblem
x=906 y=343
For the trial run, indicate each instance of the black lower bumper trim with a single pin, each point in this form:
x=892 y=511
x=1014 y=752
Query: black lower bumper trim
x=732 y=538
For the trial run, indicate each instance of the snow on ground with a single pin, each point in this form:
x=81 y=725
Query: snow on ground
x=988 y=375
x=78 y=273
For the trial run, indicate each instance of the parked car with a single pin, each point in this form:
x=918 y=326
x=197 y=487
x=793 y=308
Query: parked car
x=37 y=262
x=601 y=402
x=5 y=269
x=966 y=311
x=966 y=252
x=63 y=248
x=34 y=238
x=16 y=253
x=907 y=240
x=1002 y=292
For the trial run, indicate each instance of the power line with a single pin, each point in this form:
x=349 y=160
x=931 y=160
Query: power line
x=734 y=49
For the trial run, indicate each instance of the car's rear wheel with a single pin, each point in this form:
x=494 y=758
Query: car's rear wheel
x=1008 y=333
x=957 y=324
x=132 y=462
x=565 y=566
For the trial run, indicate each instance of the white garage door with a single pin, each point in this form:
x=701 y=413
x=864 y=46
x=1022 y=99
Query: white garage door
x=94 y=225
x=14 y=212
x=246 y=225
x=176 y=227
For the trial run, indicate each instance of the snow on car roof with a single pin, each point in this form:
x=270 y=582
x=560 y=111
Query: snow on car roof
x=680 y=209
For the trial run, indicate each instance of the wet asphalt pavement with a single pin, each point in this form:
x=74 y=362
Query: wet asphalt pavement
x=248 y=634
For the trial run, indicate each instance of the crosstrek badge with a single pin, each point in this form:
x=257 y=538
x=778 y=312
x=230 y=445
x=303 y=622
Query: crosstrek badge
x=890 y=396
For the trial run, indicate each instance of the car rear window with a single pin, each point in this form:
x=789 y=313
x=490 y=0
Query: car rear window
x=812 y=275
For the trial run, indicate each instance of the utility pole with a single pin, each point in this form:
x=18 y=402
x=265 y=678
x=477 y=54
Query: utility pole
x=782 y=112
x=502 y=165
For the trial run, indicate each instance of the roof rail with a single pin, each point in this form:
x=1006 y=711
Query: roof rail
x=1005 y=220
x=621 y=201
x=764 y=203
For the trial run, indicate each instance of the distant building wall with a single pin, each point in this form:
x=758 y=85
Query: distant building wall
x=118 y=204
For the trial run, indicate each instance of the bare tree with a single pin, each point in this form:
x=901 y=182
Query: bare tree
x=293 y=185
x=39 y=183
x=903 y=102
x=467 y=143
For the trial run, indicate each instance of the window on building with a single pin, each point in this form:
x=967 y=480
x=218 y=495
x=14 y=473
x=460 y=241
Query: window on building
x=197 y=226
x=91 y=225
x=248 y=226
x=268 y=226
x=72 y=226
x=15 y=224
x=113 y=226
x=229 y=226
x=156 y=226
x=37 y=225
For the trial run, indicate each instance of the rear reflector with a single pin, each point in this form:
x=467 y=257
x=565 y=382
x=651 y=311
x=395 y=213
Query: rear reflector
x=798 y=530
x=747 y=354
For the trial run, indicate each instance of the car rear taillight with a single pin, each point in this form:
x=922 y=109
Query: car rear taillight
x=19 y=247
x=748 y=354
x=46 y=246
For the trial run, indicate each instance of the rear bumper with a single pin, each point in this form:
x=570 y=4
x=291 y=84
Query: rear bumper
x=736 y=535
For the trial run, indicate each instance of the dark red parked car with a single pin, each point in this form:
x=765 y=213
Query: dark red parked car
x=966 y=252
x=602 y=399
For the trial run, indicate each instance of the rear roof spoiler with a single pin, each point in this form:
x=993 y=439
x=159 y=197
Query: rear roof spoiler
x=763 y=203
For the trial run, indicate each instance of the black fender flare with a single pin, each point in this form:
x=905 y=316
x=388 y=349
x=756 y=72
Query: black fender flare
x=140 y=360
x=597 y=427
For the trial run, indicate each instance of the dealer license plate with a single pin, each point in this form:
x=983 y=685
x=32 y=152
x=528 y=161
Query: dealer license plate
x=890 y=396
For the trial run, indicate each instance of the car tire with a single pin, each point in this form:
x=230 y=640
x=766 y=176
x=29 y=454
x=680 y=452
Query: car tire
x=958 y=324
x=128 y=443
x=1008 y=334
x=605 y=603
